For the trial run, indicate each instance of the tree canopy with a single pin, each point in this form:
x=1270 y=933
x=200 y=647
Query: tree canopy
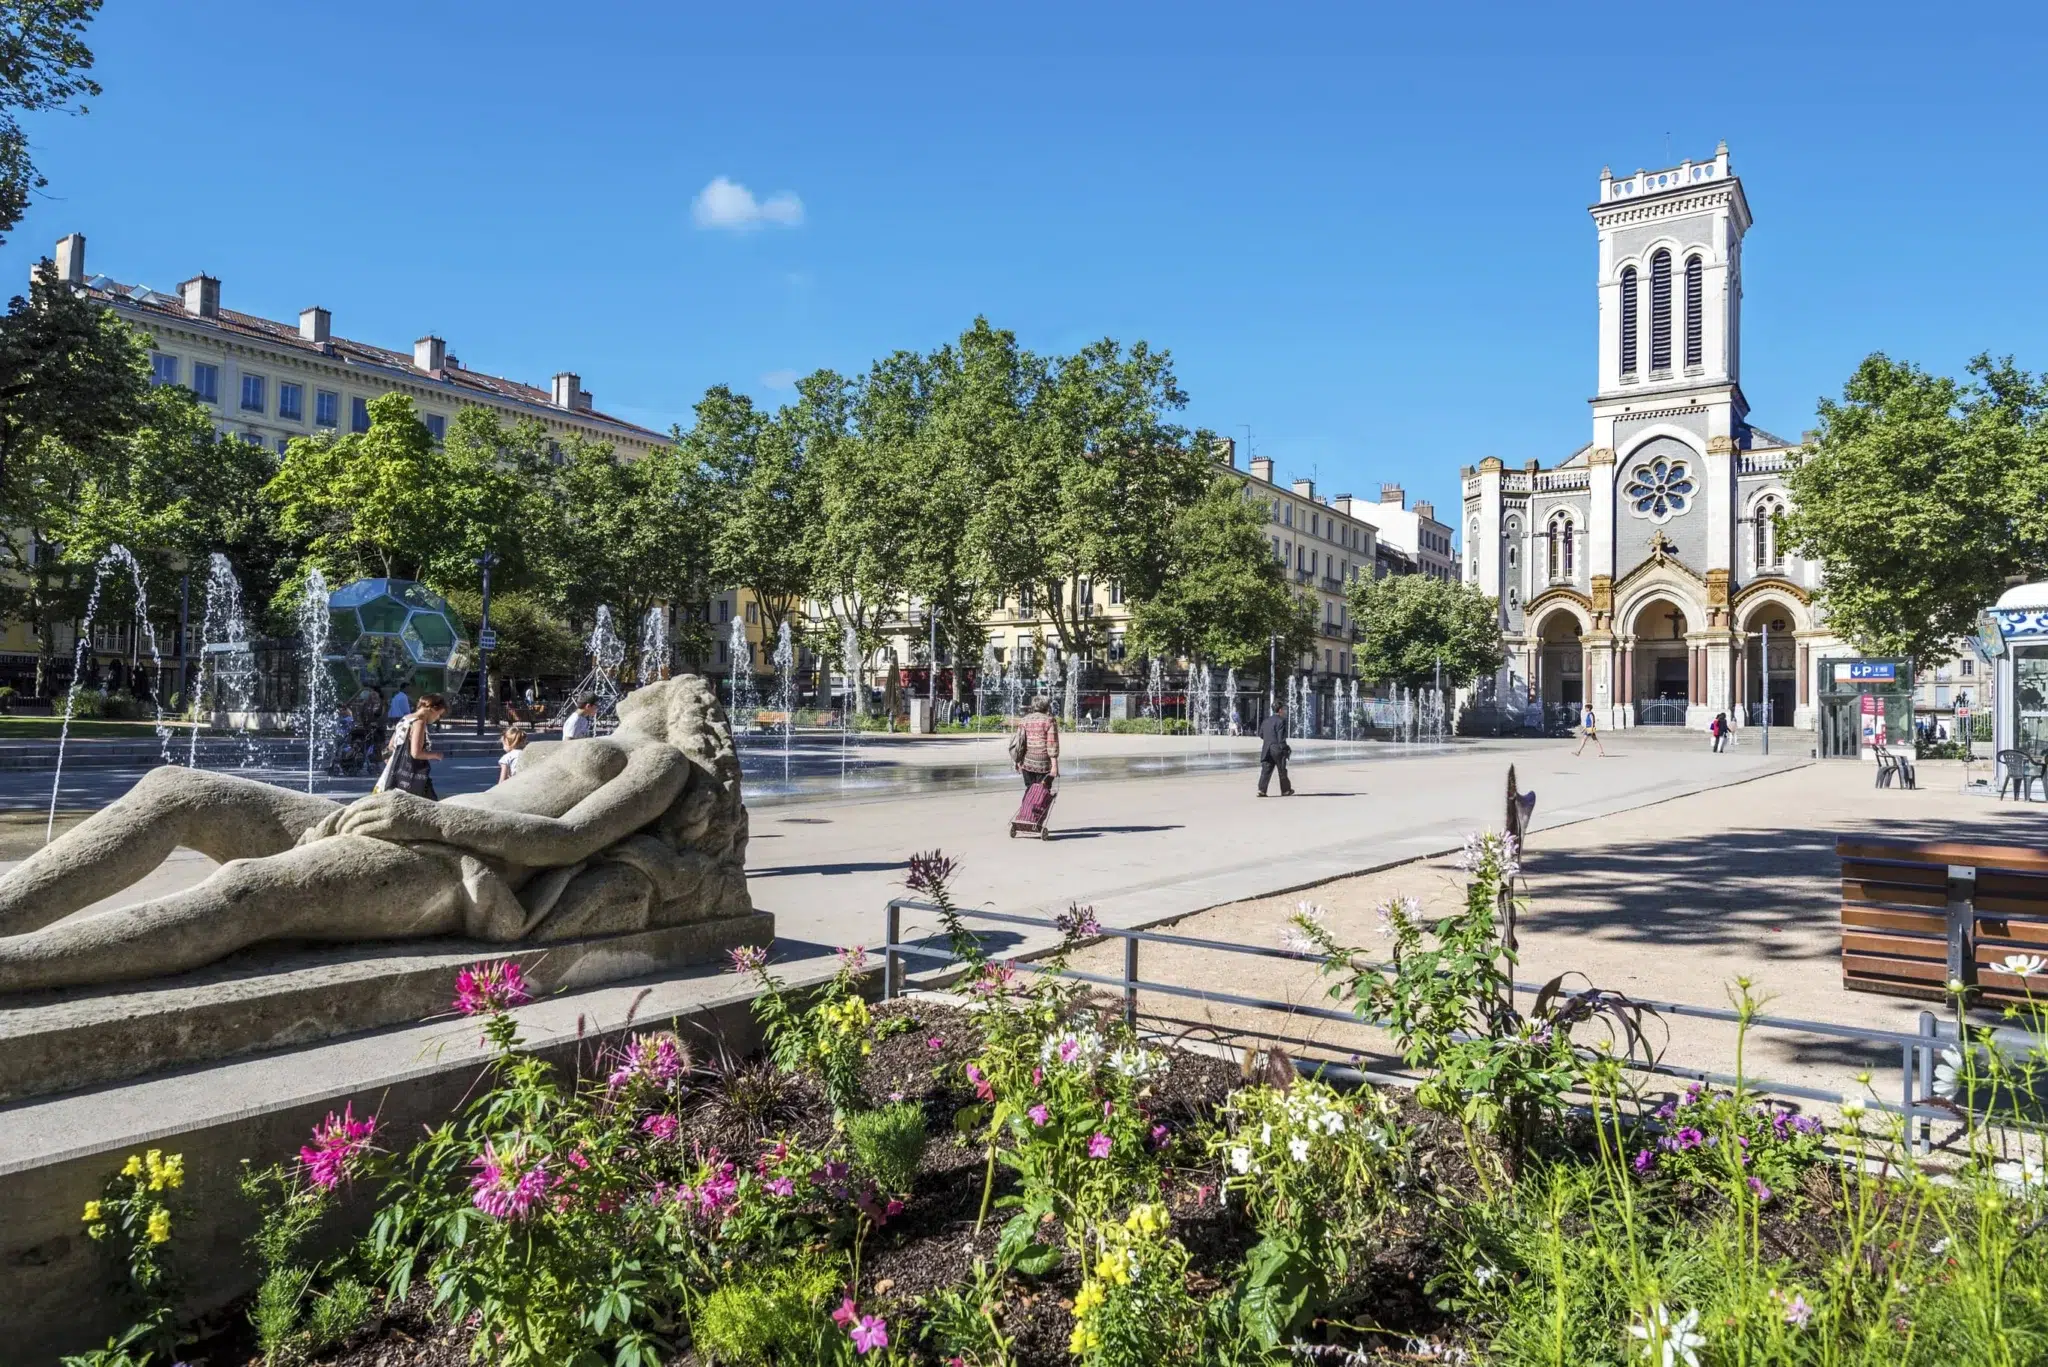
x=1408 y=623
x=1222 y=597
x=1922 y=496
x=43 y=61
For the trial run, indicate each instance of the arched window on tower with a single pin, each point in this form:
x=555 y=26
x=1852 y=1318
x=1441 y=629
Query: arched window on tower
x=1514 y=539
x=1628 y=321
x=1660 y=311
x=1562 y=551
x=1770 y=555
x=1695 y=326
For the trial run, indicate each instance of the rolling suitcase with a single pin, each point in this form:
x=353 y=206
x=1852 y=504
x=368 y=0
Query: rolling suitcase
x=1032 y=811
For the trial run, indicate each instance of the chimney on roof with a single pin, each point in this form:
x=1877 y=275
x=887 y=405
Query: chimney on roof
x=1226 y=451
x=568 y=385
x=202 y=296
x=70 y=259
x=1425 y=510
x=429 y=353
x=1393 y=493
x=316 y=324
x=1305 y=487
x=1262 y=468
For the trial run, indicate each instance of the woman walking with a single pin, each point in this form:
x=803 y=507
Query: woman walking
x=411 y=766
x=1036 y=750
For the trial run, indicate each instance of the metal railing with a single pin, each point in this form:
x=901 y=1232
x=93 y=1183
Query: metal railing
x=1917 y=1051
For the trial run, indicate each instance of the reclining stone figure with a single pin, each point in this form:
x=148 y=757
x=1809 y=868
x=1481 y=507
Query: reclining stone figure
x=635 y=831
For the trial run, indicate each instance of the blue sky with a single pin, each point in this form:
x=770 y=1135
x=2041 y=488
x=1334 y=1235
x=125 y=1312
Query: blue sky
x=1360 y=229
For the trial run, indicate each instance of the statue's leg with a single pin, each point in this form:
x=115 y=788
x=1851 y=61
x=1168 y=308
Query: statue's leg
x=341 y=888
x=220 y=815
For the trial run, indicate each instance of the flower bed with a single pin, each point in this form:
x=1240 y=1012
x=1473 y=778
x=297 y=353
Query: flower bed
x=1022 y=1180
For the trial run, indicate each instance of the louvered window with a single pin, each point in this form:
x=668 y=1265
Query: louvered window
x=1695 y=289
x=1660 y=311
x=1628 y=321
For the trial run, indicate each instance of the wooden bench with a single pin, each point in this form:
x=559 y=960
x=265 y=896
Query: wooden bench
x=1919 y=915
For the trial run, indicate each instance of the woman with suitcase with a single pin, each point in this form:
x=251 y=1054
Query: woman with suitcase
x=1036 y=750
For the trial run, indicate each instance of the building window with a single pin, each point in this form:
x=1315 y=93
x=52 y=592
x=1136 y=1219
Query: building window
x=1969 y=667
x=206 y=382
x=1561 y=548
x=1659 y=489
x=1769 y=555
x=1628 y=321
x=437 y=428
x=162 y=369
x=326 y=408
x=1026 y=600
x=359 y=414
x=283 y=445
x=1116 y=594
x=291 y=402
x=252 y=393
x=1660 y=311
x=753 y=613
x=254 y=439
x=1695 y=291
x=1290 y=515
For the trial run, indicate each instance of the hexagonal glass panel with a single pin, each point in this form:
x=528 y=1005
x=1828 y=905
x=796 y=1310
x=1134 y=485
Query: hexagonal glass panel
x=383 y=613
x=433 y=629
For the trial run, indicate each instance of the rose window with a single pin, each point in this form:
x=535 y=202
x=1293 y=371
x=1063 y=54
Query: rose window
x=1659 y=489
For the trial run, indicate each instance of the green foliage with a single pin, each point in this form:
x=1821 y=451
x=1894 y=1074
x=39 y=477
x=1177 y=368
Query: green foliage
x=1134 y=1308
x=888 y=1144
x=1151 y=726
x=532 y=638
x=132 y=1222
x=1922 y=496
x=771 y=1316
x=832 y=1034
x=1223 y=596
x=763 y=483
x=1409 y=623
x=44 y=59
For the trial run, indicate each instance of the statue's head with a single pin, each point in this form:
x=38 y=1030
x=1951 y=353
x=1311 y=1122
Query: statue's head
x=673 y=710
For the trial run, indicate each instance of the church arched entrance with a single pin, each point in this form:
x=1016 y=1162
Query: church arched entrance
x=1561 y=670
x=1770 y=682
x=1660 y=665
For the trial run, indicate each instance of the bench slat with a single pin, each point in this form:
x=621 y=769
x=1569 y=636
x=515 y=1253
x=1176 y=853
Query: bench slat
x=1896 y=894
x=1896 y=946
x=1876 y=966
x=1909 y=922
x=2014 y=857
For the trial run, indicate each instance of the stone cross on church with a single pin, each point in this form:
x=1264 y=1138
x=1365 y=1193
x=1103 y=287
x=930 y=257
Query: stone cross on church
x=1635 y=574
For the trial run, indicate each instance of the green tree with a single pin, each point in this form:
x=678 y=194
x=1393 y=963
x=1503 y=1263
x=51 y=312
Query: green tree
x=43 y=61
x=370 y=504
x=861 y=433
x=70 y=371
x=1922 y=497
x=532 y=637
x=496 y=487
x=1223 y=597
x=762 y=496
x=1408 y=623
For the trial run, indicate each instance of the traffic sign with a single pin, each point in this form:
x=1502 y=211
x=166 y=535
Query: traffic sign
x=487 y=639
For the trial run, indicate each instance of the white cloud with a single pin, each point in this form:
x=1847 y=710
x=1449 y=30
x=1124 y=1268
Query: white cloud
x=727 y=204
x=779 y=379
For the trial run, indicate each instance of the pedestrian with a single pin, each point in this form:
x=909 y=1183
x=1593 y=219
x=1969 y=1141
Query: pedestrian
x=582 y=723
x=1039 y=756
x=410 y=768
x=514 y=741
x=1589 y=731
x=400 y=706
x=1718 y=729
x=1274 y=750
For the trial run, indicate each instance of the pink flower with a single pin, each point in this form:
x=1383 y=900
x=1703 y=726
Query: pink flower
x=660 y=1128
x=1038 y=1077
x=935 y=1043
x=1160 y=1134
x=1099 y=1146
x=929 y=873
x=749 y=959
x=781 y=1186
x=486 y=989
x=847 y=1313
x=871 y=1333
x=853 y=958
x=336 y=1140
x=1038 y=1114
x=657 y=1059
x=578 y=1161
x=982 y=1087
x=718 y=1191
x=1069 y=1048
x=505 y=1186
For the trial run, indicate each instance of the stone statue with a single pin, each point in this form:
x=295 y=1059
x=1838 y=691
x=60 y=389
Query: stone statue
x=638 y=830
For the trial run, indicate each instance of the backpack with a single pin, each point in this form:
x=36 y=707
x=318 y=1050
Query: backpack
x=1017 y=744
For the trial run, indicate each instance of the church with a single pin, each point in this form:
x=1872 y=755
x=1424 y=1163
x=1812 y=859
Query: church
x=1645 y=574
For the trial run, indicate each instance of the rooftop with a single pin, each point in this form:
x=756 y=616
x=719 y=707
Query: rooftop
x=1685 y=175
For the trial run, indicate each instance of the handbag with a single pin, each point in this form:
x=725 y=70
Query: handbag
x=400 y=742
x=1018 y=745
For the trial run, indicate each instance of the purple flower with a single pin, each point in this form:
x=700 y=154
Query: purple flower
x=853 y=958
x=1098 y=1147
x=657 y=1059
x=661 y=1128
x=506 y=1186
x=1039 y=1115
x=1160 y=1134
x=1763 y=1193
x=935 y=1043
x=1077 y=922
x=996 y=980
x=717 y=1191
x=1645 y=1160
x=929 y=873
x=847 y=1314
x=870 y=1333
x=486 y=989
x=749 y=959
x=983 y=1088
x=780 y=1186
x=1797 y=1311
x=336 y=1140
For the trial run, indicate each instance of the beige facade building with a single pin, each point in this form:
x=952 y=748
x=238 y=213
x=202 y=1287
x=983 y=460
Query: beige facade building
x=270 y=381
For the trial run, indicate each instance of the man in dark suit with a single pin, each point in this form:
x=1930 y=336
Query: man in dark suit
x=1273 y=751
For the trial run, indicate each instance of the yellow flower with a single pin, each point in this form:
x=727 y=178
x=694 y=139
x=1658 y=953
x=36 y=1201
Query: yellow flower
x=1146 y=1218
x=95 y=1232
x=1111 y=1269
x=174 y=1171
x=92 y=1212
x=133 y=1168
x=1089 y=1300
x=164 y=1172
x=159 y=1226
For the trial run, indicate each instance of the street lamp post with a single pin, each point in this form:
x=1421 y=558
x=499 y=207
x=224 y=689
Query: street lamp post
x=484 y=641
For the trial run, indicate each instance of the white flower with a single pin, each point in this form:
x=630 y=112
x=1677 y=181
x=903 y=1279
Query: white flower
x=1484 y=1273
x=2023 y=965
x=1137 y=1064
x=1939 y=1246
x=2021 y=1175
x=1298 y=1150
x=1266 y=1133
x=1309 y=913
x=1333 y=1122
x=1948 y=1073
x=1240 y=1159
x=1678 y=1339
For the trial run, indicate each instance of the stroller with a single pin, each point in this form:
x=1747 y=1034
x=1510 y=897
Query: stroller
x=353 y=753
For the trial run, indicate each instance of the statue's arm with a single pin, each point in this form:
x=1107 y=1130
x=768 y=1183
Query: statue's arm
x=652 y=779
